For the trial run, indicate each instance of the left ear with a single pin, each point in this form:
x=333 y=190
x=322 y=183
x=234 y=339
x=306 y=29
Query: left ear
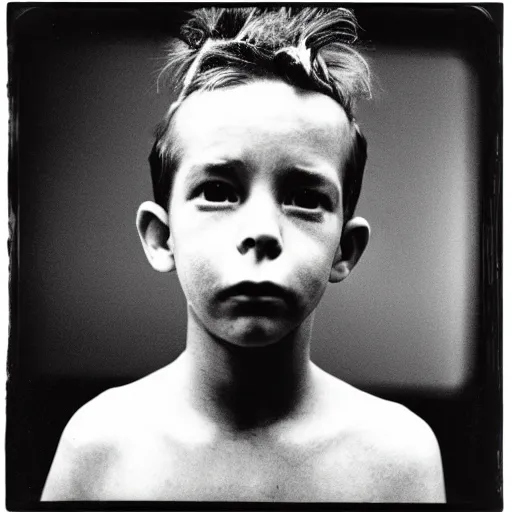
x=354 y=240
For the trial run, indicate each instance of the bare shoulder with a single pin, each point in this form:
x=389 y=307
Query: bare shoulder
x=95 y=439
x=398 y=449
x=85 y=452
x=407 y=455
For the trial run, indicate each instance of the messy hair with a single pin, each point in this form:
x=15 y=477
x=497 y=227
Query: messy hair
x=309 y=48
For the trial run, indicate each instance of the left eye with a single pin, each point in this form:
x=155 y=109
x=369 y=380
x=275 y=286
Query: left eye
x=305 y=198
x=218 y=192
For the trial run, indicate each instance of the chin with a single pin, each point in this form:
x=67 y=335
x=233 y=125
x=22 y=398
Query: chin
x=260 y=333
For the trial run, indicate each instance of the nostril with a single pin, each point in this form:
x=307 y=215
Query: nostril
x=268 y=247
x=272 y=249
x=265 y=247
x=246 y=245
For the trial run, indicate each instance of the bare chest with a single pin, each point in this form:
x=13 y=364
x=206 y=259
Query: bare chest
x=237 y=472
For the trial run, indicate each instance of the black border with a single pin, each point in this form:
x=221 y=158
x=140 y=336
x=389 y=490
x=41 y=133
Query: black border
x=479 y=30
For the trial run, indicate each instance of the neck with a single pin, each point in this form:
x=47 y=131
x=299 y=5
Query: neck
x=248 y=387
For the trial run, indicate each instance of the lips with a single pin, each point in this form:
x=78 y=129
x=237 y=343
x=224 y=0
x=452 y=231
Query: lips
x=251 y=291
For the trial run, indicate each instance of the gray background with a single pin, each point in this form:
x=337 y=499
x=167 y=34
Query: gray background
x=89 y=303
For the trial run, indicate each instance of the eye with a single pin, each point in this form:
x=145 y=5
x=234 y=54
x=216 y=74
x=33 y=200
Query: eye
x=218 y=192
x=306 y=198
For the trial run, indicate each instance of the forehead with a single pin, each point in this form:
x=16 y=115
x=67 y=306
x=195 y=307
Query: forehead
x=268 y=120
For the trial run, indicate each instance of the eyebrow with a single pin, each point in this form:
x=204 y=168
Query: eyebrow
x=227 y=169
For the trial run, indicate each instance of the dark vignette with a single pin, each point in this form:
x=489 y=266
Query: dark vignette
x=468 y=426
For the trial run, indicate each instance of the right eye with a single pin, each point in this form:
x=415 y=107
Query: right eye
x=218 y=192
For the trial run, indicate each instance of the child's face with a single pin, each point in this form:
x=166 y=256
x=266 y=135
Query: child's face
x=257 y=198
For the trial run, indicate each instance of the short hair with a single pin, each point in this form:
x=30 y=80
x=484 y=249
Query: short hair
x=310 y=48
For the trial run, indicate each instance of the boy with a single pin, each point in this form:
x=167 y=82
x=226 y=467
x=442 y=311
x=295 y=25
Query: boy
x=256 y=170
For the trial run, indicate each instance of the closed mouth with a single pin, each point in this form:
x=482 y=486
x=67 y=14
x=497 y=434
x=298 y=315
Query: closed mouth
x=248 y=290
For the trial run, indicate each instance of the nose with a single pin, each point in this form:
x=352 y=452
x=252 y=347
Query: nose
x=261 y=230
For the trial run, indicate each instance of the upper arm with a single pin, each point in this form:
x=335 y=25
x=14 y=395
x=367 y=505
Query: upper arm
x=432 y=469
x=64 y=481
x=424 y=477
x=81 y=460
x=419 y=476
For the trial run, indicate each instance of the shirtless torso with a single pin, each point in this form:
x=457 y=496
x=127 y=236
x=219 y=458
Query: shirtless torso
x=352 y=447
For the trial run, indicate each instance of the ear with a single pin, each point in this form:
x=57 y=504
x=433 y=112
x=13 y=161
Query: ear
x=354 y=240
x=153 y=227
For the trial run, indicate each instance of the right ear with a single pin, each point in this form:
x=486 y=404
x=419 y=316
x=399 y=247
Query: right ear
x=153 y=227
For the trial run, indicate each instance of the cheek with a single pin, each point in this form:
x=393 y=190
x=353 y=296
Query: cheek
x=200 y=262
x=314 y=263
x=194 y=272
x=313 y=280
x=190 y=255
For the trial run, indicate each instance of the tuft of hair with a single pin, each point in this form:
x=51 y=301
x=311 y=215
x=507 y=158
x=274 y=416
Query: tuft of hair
x=314 y=48
x=311 y=48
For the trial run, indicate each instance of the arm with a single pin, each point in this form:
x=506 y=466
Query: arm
x=81 y=460
x=419 y=476
x=63 y=481
x=425 y=481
